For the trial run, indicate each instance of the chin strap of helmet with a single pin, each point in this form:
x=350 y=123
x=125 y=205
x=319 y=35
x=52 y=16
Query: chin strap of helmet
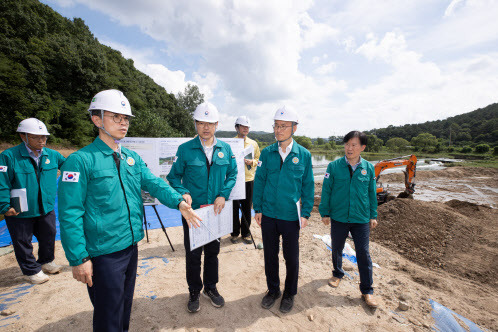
x=292 y=134
x=203 y=141
x=29 y=145
x=116 y=140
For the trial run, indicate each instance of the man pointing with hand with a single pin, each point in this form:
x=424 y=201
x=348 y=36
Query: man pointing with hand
x=101 y=212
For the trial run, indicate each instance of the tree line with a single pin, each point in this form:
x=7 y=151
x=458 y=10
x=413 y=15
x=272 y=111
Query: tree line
x=51 y=67
x=475 y=131
x=476 y=127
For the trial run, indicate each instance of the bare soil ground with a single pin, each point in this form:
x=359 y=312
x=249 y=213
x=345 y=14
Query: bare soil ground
x=446 y=252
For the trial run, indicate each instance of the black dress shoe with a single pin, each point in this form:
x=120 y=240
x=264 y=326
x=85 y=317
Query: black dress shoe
x=269 y=299
x=287 y=303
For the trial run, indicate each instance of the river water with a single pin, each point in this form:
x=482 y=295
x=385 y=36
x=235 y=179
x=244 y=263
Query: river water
x=321 y=161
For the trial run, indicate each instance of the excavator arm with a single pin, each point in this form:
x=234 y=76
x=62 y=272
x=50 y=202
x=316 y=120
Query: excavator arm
x=410 y=172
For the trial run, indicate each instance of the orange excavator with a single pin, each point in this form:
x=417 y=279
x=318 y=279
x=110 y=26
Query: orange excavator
x=411 y=165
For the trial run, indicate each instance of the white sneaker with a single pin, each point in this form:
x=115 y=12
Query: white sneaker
x=51 y=268
x=38 y=278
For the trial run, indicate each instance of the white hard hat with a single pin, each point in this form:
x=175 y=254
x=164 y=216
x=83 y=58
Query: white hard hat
x=111 y=100
x=206 y=112
x=32 y=126
x=243 y=120
x=286 y=114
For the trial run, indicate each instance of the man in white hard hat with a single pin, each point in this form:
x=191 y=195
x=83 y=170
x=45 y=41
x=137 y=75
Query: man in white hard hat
x=284 y=176
x=101 y=212
x=31 y=167
x=242 y=227
x=204 y=172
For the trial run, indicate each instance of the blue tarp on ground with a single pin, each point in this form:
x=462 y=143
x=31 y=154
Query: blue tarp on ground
x=169 y=217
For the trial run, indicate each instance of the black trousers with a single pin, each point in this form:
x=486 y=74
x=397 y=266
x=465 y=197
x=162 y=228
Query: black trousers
x=240 y=227
x=21 y=232
x=114 y=278
x=193 y=262
x=271 y=230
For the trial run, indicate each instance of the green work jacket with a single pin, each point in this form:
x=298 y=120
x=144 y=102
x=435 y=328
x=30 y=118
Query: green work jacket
x=101 y=208
x=18 y=170
x=349 y=197
x=278 y=185
x=190 y=173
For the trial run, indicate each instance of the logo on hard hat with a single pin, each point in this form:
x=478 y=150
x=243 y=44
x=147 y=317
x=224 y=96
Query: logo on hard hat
x=220 y=154
x=295 y=160
x=123 y=103
x=206 y=113
x=130 y=161
x=282 y=113
x=40 y=127
x=93 y=100
x=364 y=171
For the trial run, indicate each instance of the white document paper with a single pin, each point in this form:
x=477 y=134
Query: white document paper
x=19 y=196
x=298 y=205
x=212 y=227
x=239 y=190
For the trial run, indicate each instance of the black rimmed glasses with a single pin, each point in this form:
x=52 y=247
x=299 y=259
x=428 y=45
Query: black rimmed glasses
x=117 y=118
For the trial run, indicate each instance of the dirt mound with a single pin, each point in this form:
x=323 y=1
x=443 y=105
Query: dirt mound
x=458 y=237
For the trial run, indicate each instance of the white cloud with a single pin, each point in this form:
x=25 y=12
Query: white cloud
x=452 y=7
x=371 y=64
x=254 y=47
x=326 y=69
x=172 y=81
x=465 y=25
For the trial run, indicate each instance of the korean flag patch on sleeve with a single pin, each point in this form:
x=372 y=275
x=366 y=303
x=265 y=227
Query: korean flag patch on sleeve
x=260 y=163
x=70 y=176
x=327 y=175
x=3 y=169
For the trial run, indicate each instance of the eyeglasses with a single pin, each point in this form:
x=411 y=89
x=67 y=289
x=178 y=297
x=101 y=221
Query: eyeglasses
x=278 y=127
x=117 y=118
x=37 y=138
x=206 y=124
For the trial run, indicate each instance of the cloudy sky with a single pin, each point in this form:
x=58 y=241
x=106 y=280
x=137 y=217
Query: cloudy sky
x=342 y=65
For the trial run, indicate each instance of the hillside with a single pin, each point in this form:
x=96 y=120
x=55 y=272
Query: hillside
x=479 y=126
x=50 y=68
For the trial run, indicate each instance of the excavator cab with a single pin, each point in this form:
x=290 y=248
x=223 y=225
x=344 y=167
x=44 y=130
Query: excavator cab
x=383 y=194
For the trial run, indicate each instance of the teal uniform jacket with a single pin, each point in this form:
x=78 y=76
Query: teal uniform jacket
x=347 y=198
x=101 y=209
x=277 y=187
x=189 y=174
x=18 y=170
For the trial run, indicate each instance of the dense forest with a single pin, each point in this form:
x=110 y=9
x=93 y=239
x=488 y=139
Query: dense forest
x=50 y=68
x=479 y=126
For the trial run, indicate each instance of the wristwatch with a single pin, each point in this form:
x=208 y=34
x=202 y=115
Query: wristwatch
x=86 y=259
